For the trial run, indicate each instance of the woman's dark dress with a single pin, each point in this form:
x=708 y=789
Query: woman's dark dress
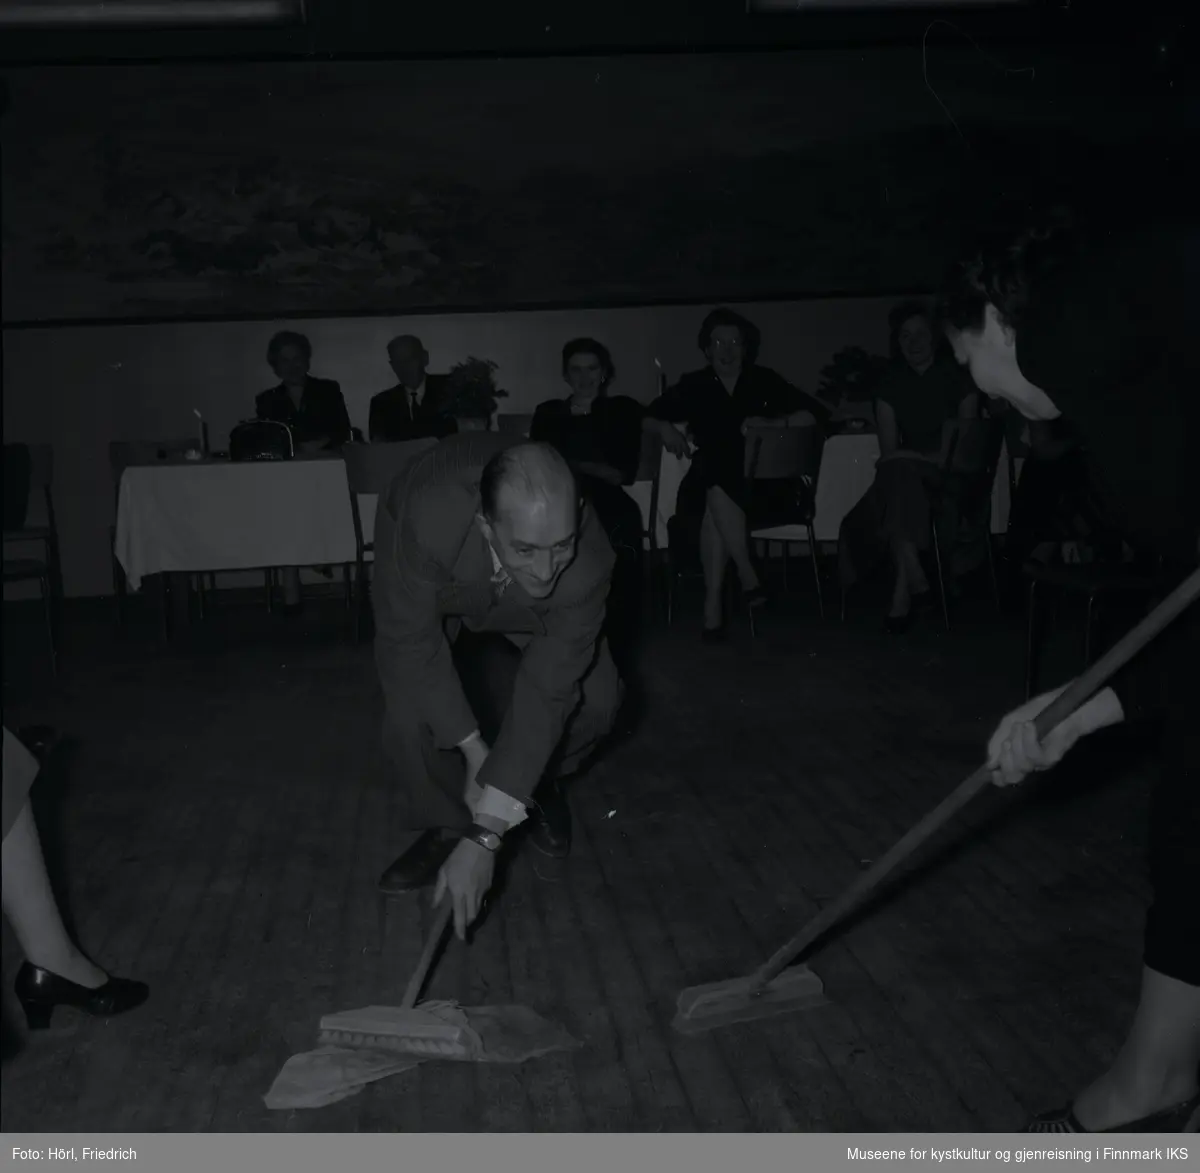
x=1112 y=347
x=897 y=505
x=320 y=414
x=611 y=433
x=715 y=418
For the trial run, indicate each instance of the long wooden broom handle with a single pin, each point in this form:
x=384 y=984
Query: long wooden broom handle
x=1053 y=714
x=413 y=992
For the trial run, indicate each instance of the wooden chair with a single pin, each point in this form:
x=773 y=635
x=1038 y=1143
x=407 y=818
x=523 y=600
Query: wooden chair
x=370 y=470
x=515 y=423
x=787 y=459
x=44 y=569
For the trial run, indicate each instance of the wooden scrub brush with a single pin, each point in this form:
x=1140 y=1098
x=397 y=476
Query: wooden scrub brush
x=404 y=1028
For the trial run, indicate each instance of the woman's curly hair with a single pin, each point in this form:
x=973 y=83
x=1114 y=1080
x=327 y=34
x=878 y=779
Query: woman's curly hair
x=1007 y=267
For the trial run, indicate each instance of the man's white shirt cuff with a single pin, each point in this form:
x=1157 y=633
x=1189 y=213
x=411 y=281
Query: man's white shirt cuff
x=498 y=805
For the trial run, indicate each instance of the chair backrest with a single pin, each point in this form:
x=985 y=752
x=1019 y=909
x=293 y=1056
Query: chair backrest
x=650 y=460
x=371 y=468
x=18 y=473
x=780 y=453
x=649 y=471
x=977 y=450
x=514 y=424
x=41 y=466
x=978 y=458
x=41 y=481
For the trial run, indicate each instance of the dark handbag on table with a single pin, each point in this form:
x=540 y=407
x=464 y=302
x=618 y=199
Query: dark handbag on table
x=261 y=440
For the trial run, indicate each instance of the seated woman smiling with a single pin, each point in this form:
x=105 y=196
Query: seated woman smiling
x=923 y=407
x=601 y=436
x=718 y=404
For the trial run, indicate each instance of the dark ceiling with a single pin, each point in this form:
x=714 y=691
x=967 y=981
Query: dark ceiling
x=393 y=28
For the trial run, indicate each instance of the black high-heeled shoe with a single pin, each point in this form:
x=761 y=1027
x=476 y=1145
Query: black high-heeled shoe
x=713 y=635
x=1177 y=1118
x=39 y=991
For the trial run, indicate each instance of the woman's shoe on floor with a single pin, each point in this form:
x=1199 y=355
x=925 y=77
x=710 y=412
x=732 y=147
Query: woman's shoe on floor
x=898 y=624
x=713 y=635
x=1173 y=1119
x=39 y=991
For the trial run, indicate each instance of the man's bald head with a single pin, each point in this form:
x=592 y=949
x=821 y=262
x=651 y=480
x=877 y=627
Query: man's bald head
x=529 y=510
x=408 y=358
x=526 y=476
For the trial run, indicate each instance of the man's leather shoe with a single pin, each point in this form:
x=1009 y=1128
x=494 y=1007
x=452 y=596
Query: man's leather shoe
x=418 y=867
x=550 y=830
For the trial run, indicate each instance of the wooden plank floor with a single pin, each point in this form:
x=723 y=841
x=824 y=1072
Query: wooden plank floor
x=224 y=810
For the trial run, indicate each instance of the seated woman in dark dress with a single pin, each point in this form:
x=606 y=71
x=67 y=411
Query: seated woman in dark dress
x=718 y=404
x=1095 y=330
x=601 y=436
x=314 y=409
x=918 y=407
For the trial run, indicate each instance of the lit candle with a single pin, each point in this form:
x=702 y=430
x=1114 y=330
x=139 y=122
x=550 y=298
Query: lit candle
x=202 y=427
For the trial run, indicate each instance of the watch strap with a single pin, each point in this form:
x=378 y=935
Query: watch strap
x=485 y=838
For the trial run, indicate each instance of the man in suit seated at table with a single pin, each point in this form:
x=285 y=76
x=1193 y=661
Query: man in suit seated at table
x=491 y=581
x=414 y=408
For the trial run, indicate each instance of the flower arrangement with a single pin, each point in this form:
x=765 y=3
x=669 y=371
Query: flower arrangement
x=849 y=381
x=471 y=391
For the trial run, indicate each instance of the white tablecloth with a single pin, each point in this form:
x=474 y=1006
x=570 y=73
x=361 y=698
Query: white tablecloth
x=244 y=516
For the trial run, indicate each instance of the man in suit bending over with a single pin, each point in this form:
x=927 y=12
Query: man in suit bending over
x=413 y=409
x=491 y=581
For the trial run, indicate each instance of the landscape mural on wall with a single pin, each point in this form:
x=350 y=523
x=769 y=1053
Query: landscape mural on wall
x=362 y=188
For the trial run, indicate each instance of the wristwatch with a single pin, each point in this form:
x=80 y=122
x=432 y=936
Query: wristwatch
x=483 y=837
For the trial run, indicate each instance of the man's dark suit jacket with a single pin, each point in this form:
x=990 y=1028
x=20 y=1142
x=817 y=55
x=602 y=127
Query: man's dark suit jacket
x=433 y=564
x=392 y=418
x=322 y=411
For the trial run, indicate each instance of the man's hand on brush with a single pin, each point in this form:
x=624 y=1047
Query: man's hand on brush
x=465 y=878
x=1014 y=751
